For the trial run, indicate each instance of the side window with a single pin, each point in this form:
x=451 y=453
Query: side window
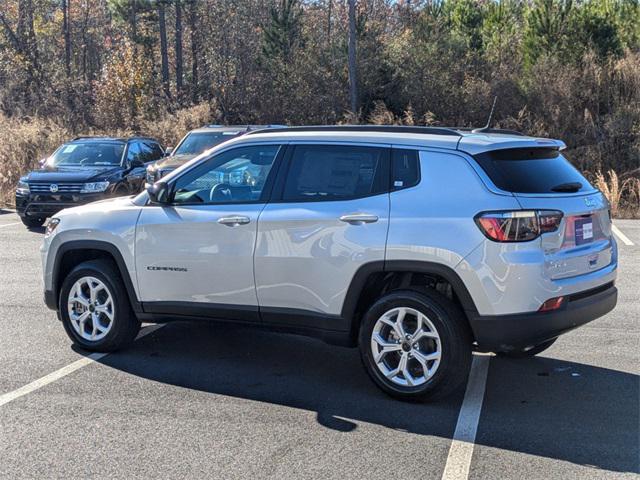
x=234 y=176
x=336 y=172
x=146 y=152
x=405 y=169
x=134 y=152
x=155 y=151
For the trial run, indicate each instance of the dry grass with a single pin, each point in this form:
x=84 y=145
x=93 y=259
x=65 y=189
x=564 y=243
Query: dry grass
x=623 y=195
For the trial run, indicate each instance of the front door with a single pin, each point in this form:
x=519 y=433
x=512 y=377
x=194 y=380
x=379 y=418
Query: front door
x=195 y=256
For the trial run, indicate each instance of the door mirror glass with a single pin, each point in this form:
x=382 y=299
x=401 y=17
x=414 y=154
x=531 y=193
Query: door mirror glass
x=158 y=193
x=168 y=151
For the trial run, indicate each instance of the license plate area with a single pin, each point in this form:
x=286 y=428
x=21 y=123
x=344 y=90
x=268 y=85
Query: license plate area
x=583 y=230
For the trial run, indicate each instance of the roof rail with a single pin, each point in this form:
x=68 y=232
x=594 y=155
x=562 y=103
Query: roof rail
x=365 y=128
x=492 y=130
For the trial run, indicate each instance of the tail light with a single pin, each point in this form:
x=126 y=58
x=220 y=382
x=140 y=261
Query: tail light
x=518 y=225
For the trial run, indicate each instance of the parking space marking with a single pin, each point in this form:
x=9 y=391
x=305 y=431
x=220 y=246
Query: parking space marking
x=464 y=437
x=10 y=224
x=621 y=235
x=64 y=371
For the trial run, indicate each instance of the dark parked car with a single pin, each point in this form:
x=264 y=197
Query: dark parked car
x=82 y=171
x=194 y=143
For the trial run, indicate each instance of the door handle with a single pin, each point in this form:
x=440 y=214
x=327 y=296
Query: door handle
x=234 y=220
x=359 y=218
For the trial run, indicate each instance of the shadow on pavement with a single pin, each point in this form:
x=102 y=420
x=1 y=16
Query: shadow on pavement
x=535 y=406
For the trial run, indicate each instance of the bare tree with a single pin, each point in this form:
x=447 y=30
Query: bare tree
x=164 y=58
x=67 y=36
x=179 y=71
x=195 y=49
x=353 y=74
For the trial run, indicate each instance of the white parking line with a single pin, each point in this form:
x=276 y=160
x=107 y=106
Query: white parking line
x=621 y=235
x=64 y=371
x=9 y=224
x=461 y=450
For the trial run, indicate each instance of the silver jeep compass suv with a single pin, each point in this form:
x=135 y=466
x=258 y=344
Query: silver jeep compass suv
x=418 y=245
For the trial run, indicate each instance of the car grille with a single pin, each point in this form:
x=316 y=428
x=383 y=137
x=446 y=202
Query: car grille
x=63 y=187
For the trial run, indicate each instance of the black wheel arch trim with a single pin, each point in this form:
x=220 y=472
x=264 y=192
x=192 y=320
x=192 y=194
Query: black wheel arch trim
x=383 y=266
x=103 y=246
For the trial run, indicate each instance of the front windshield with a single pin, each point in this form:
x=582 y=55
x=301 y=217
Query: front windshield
x=197 y=142
x=99 y=154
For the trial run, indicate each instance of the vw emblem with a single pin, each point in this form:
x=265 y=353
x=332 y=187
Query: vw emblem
x=53 y=188
x=590 y=202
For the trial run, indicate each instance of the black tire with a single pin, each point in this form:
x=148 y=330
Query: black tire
x=125 y=325
x=455 y=337
x=32 y=222
x=528 y=353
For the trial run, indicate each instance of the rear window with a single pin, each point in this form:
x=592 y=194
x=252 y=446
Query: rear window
x=532 y=170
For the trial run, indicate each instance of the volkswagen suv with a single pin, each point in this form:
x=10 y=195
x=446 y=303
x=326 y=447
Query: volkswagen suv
x=84 y=170
x=417 y=245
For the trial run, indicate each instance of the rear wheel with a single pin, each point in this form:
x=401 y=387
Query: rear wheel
x=415 y=346
x=527 y=353
x=95 y=308
x=32 y=222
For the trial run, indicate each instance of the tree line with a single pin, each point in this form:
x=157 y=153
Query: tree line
x=562 y=68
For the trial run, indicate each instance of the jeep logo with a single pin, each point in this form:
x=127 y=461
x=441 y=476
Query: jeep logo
x=53 y=188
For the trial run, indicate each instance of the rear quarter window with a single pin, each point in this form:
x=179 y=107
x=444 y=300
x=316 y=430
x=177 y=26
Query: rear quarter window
x=532 y=170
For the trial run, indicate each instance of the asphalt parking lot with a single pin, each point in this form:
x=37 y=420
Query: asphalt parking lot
x=199 y=400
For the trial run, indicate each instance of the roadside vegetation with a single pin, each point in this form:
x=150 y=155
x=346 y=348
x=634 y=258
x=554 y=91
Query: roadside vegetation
x=560 y=68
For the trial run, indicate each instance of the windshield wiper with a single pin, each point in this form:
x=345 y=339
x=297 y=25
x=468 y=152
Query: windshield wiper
x=567 y=187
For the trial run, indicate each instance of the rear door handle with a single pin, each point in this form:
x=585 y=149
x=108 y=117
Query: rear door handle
x=234 y=220
x=359 y=218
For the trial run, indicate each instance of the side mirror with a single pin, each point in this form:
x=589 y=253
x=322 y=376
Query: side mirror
x=42 y=162
x=159 y=193
x=168 y=151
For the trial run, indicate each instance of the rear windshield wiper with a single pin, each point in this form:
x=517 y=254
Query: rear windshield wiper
x=567 y=187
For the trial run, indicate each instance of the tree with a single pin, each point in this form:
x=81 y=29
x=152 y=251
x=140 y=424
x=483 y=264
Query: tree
x=353 y=72
x=282 y=34
x=178 y=38
x=164 y=57
x=195 y=49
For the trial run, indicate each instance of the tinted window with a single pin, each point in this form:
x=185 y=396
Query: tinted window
x=134 y=152
x=90 y=153
x=197 y=142
x=151 y=151
x=531 y=170
x=334 y=172
x=237 y=175
x=405 y=169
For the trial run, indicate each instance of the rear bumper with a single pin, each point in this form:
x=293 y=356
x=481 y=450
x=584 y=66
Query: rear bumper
x=512 y=332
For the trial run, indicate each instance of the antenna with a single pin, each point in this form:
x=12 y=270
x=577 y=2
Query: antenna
x=487 y=127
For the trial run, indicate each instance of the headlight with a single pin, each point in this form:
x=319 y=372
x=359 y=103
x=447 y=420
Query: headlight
x=51 y=226
x=94 y=187
x=23 y=187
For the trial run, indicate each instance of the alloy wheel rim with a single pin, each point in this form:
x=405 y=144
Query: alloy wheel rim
x=406 y=347
x=91 y=308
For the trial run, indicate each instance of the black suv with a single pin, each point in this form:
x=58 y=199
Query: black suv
x=194 y=143
x=82 y=171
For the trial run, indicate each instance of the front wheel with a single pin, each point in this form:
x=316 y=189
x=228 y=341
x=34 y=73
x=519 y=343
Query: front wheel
x=95 y=308
x=416 y=346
